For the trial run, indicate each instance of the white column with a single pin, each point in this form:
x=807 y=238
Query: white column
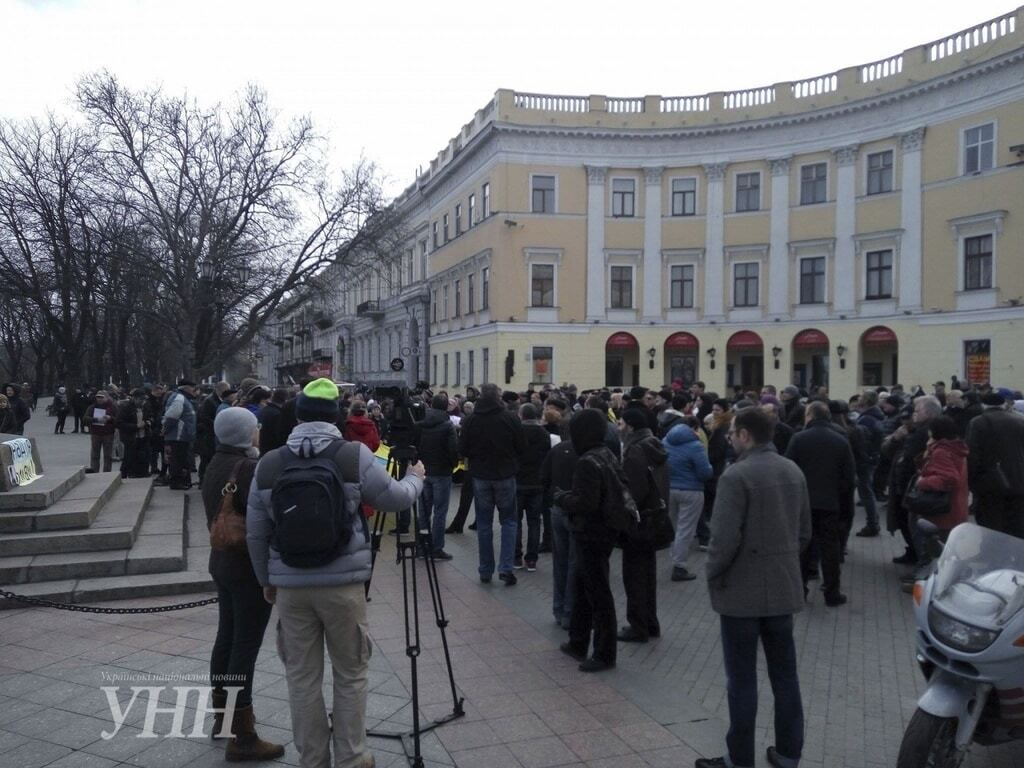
x=910 y=213
x=846 y=225
x=652 y=245
x=778 y=253
x=596 y=304
x=714 y=273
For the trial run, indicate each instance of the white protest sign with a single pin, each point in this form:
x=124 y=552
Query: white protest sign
x=22 y=469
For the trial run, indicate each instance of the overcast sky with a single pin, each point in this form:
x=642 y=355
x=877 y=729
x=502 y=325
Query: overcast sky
x=396 y=80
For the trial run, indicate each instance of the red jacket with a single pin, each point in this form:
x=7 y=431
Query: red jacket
x=945 y=469
x=361 y=429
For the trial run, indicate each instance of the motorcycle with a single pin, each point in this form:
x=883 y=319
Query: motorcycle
x=970 y=648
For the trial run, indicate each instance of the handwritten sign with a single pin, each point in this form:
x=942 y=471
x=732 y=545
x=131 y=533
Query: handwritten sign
x=22 y=469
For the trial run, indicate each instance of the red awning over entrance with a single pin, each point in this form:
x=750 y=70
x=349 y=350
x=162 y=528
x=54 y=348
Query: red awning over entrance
x=745 y=340
x=622 y=340
x=879 y=335
x=682 y=340
x=810 y=338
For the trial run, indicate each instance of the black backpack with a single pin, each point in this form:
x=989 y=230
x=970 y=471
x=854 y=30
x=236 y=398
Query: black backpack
x=313 y=524
x=620 y=511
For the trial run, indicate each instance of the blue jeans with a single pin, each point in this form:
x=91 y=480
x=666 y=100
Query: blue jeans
x=488 y=494
x=563 y=567
x=433 y=511
x=532 y=502
x=739 y=648
x=866 y=491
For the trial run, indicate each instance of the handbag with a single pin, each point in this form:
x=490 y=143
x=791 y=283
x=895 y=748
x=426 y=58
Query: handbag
x=926 y=504
x=655 y=527
x=227 y=531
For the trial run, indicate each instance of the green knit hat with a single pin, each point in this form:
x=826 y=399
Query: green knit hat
x=318 y=401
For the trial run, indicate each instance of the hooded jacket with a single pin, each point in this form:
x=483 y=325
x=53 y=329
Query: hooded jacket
x=361 y=429
x=492 y=440
x=537 y=445
x=945 y=469
x=19 y=408
x=641 y=451
x=371 y=484
x=436 y=443
x=688 y=465
x=592 y=481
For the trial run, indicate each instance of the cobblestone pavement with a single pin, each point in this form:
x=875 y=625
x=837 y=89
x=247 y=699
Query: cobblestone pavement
x=526 y=704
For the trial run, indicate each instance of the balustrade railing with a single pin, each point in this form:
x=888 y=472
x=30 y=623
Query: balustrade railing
x=625 y=105
x=879 y=70
x=973 y=37
x=815 y=86
x=686 y=104
x=752 y=97
x=550 y=103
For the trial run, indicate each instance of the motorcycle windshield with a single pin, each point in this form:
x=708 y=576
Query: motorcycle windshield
x=980 y=576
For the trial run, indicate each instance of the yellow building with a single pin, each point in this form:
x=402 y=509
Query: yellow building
x=861 y=227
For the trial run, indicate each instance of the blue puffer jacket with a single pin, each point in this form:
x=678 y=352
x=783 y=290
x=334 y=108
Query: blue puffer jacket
x=688 y=464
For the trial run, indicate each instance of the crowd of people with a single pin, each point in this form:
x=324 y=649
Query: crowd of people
x=765 y=481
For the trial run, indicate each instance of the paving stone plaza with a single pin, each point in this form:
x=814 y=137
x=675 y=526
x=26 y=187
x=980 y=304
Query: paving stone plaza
x=526 y=703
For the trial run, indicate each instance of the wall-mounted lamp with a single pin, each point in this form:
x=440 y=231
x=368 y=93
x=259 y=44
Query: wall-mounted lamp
x=651 y=354
x=711 y=354
x=841 y=351
x=776 y=351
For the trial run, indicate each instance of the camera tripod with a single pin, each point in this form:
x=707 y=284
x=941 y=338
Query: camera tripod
x=407 y=546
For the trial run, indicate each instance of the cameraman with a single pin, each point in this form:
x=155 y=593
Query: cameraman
x=438 y=450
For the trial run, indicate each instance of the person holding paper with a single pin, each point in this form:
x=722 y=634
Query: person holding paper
x=100 y=417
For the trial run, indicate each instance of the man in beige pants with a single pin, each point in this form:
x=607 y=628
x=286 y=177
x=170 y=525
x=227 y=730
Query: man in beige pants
x=319 y=593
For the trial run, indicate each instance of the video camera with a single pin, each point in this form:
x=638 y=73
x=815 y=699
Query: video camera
x=402 y=419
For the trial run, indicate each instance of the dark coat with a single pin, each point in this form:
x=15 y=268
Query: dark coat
x=8 y=423
x=80 y=402
x=271 y=422
x=205 y=415
x=793 y=413
x=642 y=451
x=19 y=408
x=127 y=421
x=823 y=453
x=647 y=413
x=492 y=441
x=109 y=426
x=781 y=437
x=996 y=441
x=592 y=485
x=537 y=445
x=437 y=444
x=556 y=472
x=228 y=566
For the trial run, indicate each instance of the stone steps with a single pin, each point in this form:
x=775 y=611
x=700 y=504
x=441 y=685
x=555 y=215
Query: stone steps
x=44 y=492
x=77 y=508
x=115 y=527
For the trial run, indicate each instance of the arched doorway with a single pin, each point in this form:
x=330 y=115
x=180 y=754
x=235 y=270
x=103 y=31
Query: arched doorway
x=622 y=360
x=879 y=357
x=744 y=362
x=810 y=359
x=681 y=356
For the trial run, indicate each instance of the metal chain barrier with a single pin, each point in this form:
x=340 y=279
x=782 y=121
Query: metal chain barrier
x=93 y=609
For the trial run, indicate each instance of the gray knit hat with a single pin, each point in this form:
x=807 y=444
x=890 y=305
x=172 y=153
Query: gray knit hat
x=234 y=426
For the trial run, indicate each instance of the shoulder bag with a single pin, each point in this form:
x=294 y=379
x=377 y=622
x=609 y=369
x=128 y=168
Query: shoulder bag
x=227 y=532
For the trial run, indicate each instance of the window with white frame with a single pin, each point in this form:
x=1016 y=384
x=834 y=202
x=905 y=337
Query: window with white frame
x=444 y=358
x=977 y=262
x=745 y=289
x=444 y=294
x=458 y=219
x=444 y=227
x=435 y=231
x=471 y=292
x=470 y=365
x=485 y=365
x=748 y=192
x=681 y=286
x=409 y=269
x=485 y=211
x=433 y=306
x=979 y=148
x=542 y=285
x=623 y=197
x=485 y=288
x=458 y=369
x=542 y=194
x=621 y=287
x=813 y=183
x=458 y=298
x=433 y=371
x=812 y=280
x=471 y=211
x=423 y=260
x=880 y=172
x=541 y=358
x=878 y=274
x=684 y=197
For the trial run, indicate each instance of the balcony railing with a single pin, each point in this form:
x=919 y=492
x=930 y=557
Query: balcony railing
x=370 y=308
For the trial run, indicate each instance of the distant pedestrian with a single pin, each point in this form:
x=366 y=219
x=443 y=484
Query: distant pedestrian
x=79 y=404
x=60 y=409
x=180 y=434
x=8 y=423
x=101 y=419
x=20 y=409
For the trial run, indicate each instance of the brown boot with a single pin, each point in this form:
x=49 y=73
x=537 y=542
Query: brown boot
x=218 y=700
x=247 y=745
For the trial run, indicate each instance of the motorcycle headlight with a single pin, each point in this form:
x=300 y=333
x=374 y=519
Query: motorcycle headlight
x=956 y=634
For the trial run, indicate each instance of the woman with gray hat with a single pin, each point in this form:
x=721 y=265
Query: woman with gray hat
x=243 y=611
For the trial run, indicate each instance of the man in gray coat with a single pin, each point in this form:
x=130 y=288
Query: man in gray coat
x=324 y=603
x=760 y=525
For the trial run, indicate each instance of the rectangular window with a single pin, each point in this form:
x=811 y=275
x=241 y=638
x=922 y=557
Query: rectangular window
x=472 y=212
x=978 y=263
x=541 y=365
x=880 y=172
x=435 y=230
x=458 y=369
x=433 y=373
x=485 y=365
x=458 y=219
x=681 y=285
x=623 y=197
x=444 y=227
x=458 y=298
x=444 y=294
x=433 y=307
x=542 y=285
x=622 y=288
x=879 y=275
x=423 y=260
x=485 y=288
x=409 y=269
x=470 y=292
x=471 y=372
x=444 y=381
x=813 y=188
x=745 y=288
x=543 y=194
x=979 y=148
x=684 y=197
x=812 y=280
x=748 y=192
x=486 y=194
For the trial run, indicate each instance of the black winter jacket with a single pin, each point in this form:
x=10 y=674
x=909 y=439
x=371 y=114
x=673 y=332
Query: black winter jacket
x=996 y=442
x=537 y=446
x=234 y=567
x=271 y=422
x=592 y=486
x=823 y=453
x=557 y=471
x=436 y=443
x=492 y=441
x=640 y=451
